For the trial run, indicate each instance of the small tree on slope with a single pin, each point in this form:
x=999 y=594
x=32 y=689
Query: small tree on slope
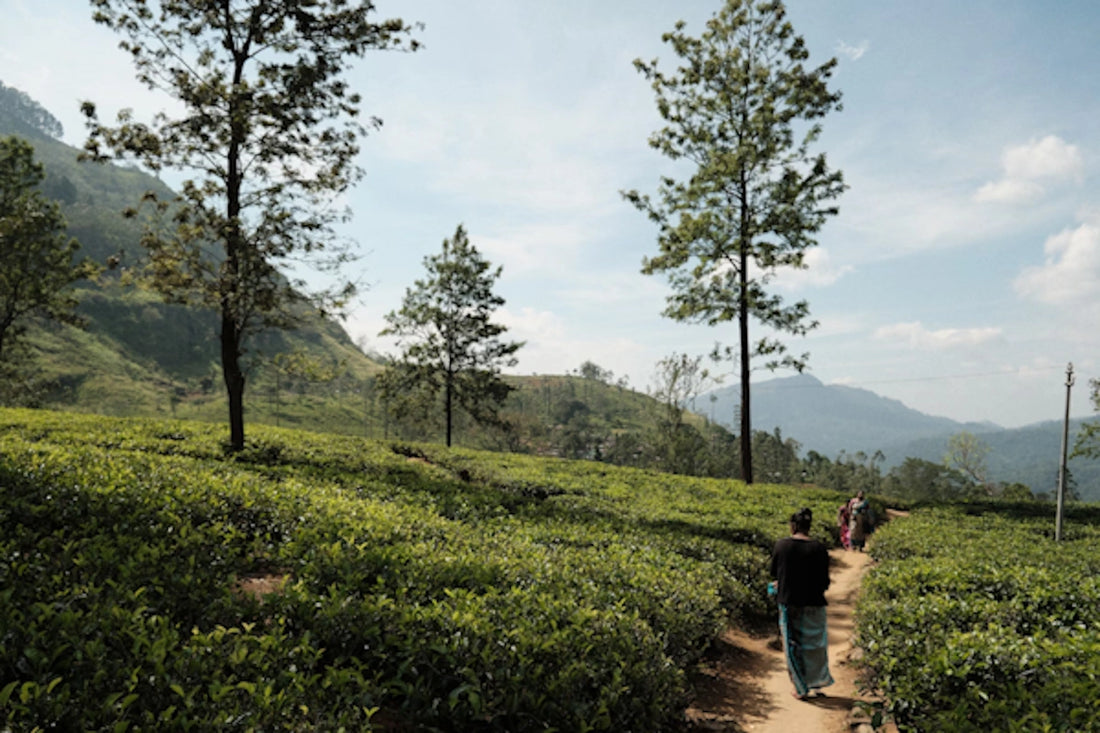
x=449 y=345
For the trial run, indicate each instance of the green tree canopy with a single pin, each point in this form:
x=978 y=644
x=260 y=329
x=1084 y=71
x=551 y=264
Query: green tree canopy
x=743 y=110
x=449 y=344
x=591 y=370
x=267 y=134
x=919 y=480
x=678 y=379
x=1088 y=439
x=36 y=255
x=966 y=453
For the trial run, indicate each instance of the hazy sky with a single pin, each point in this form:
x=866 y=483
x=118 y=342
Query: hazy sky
x=960 y=277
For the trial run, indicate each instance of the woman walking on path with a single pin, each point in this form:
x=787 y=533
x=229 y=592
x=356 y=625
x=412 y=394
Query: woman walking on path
x=859 y=511
x=843 y=518
x=800 y=566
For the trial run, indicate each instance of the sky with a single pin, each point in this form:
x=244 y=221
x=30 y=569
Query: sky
x=961 y=275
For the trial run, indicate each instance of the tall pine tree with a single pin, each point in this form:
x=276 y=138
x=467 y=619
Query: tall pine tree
x=744 y=109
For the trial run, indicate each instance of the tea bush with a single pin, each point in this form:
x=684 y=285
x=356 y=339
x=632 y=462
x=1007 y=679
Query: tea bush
x=401 y=585
x=976 y=620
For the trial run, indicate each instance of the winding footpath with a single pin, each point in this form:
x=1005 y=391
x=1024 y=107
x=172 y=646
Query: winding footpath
x=745 y=687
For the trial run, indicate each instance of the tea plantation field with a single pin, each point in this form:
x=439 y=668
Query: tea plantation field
x=150 y=581
x=976 y=620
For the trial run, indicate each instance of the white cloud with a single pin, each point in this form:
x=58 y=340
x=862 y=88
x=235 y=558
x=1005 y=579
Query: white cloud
x=1008 y=191
x=504 y=147
x=534 y=248
x=551 y=348
x=856 y=52
x=625 y=289
x=1050 y=159
x=916 y=336
x=838 y=323
x=884 y=216
x=1071 y=273
x=820 y=271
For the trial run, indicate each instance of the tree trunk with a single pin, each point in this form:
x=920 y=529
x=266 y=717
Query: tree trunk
x=743 y=325
x=234 y=382
x=232 y=325
x=448 y=400
x=746 y=409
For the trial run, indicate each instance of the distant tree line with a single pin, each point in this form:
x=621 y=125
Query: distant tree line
x=588 y=415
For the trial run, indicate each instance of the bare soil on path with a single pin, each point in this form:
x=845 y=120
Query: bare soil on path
x=744 y=685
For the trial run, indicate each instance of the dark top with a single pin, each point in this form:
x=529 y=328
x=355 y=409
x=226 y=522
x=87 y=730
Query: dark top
x=802 y=569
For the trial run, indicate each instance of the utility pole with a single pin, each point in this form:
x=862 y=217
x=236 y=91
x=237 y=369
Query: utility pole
x=1062 y=464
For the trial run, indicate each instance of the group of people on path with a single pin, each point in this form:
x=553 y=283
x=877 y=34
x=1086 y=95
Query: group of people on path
x=855 y=521
x=800 y=566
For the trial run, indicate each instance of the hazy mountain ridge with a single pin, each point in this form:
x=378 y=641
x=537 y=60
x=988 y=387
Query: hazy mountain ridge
x=830 y=419
x=1029 y=455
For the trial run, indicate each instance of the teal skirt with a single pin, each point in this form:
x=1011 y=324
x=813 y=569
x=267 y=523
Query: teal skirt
x=806 y=645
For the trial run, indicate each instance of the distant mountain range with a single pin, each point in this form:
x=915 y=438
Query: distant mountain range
x=830 y=419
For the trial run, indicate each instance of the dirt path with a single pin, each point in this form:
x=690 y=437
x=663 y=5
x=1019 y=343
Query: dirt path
x=745 y=685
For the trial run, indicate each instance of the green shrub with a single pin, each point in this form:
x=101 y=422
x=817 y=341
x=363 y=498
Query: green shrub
x=415 y=586
x=976 y=620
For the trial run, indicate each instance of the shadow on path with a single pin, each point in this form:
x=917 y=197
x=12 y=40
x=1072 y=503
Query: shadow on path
x=743 y=686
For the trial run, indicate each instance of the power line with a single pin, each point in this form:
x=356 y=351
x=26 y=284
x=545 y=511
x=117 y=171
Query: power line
x=971 y=375
x=937 y=378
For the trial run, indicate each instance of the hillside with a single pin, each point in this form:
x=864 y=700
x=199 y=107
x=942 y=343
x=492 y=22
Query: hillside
x=139 y=355
x=830 y=419
x=1029 y=455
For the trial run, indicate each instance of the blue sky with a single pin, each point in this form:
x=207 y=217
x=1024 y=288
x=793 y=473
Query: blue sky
x=960 y=277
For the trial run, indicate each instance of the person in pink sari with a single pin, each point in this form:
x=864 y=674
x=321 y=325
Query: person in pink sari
x=843 y=518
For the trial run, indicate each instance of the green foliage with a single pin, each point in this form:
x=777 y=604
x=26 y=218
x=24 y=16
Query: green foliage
x=449 y=346
x=1088 y=439
x=976 y=620
x=917 y=480
x=37 y=267
x=269 y=128
x=966 y=453
x=410 y=586
x=756 y=196
x=777 y=459
x=576 y=417
x=848 y=473
x=678 y=447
